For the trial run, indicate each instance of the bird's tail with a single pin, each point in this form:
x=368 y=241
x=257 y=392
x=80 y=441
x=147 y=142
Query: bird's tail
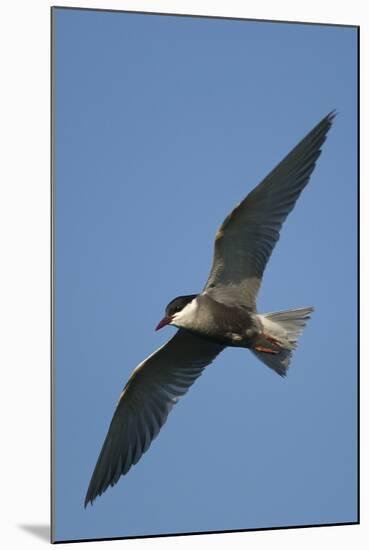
x=281 y=330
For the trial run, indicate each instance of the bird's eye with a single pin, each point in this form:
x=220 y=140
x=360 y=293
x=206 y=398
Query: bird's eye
x=178 y=308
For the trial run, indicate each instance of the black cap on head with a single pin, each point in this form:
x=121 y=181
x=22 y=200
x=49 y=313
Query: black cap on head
x=177 y=304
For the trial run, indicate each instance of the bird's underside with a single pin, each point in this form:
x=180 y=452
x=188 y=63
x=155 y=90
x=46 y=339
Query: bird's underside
x=223 y=314
x=231 y=326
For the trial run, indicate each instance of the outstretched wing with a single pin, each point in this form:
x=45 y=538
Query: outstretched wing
x=246 y=239
x=147 y=398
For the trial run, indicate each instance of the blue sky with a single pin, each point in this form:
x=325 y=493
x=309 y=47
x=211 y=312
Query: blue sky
x=162 y=124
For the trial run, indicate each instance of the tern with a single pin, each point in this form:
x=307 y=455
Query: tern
x=224 y=314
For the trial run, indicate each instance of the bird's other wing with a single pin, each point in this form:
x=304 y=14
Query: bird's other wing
x=245 y=240
x=147 y=398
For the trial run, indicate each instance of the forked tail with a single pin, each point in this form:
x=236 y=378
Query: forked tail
x=283 y=329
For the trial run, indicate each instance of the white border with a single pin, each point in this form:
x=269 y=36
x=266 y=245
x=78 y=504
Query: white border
x=24 y=230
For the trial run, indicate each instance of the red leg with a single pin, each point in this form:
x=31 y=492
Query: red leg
x=272 y=340
x=265 y=350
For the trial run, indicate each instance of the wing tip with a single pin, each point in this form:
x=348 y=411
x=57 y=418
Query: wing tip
x=328 y=119
x=318 y=135
x=332 y=115
x=322 y=128
x=93 y=493
x=88 y=500
x=90 y=497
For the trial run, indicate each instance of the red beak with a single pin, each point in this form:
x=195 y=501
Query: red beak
x=163 y=322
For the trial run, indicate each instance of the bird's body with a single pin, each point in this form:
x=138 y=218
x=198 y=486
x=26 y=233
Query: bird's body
x=222 y=315
x=228 y=325
x=240 y=326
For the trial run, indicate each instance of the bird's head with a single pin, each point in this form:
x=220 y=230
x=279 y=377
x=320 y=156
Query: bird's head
x=177 y=310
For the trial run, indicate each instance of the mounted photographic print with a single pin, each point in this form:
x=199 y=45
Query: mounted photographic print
x=205 y=198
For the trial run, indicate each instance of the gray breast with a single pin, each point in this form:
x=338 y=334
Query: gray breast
x=229 y=325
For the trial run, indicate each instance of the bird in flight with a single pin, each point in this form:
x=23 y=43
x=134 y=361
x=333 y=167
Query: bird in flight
x=223 y=314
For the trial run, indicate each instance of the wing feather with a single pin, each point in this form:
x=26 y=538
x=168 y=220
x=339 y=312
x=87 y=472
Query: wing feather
x=147 y=398
x=246 y=239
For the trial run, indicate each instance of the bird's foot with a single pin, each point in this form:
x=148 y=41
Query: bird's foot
x=265 y=350
x=263 y=344
x=272 y=340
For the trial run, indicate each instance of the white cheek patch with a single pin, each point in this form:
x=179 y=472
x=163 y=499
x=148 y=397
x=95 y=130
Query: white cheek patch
x=186 y=317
